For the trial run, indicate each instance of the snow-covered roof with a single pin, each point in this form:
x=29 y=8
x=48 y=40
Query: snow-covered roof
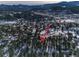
x=68 y=20
x=77 y=46
x=77 y=36
x=34 y=30
x=42 y=32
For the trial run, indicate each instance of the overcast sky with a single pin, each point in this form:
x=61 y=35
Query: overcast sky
x=25 y=2
x=32 y=2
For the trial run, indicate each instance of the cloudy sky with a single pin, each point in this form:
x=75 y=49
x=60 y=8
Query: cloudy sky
x=31 y=2
x=25 y=2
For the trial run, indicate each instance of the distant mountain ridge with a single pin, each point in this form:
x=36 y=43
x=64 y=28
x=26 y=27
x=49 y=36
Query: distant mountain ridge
x=21 y=7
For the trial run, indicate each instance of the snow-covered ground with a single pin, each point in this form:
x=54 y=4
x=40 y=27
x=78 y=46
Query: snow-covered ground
x=73 y=31
x=7 y=22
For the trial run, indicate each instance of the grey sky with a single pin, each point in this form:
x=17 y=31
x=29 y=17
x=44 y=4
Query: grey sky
x=25 y=2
